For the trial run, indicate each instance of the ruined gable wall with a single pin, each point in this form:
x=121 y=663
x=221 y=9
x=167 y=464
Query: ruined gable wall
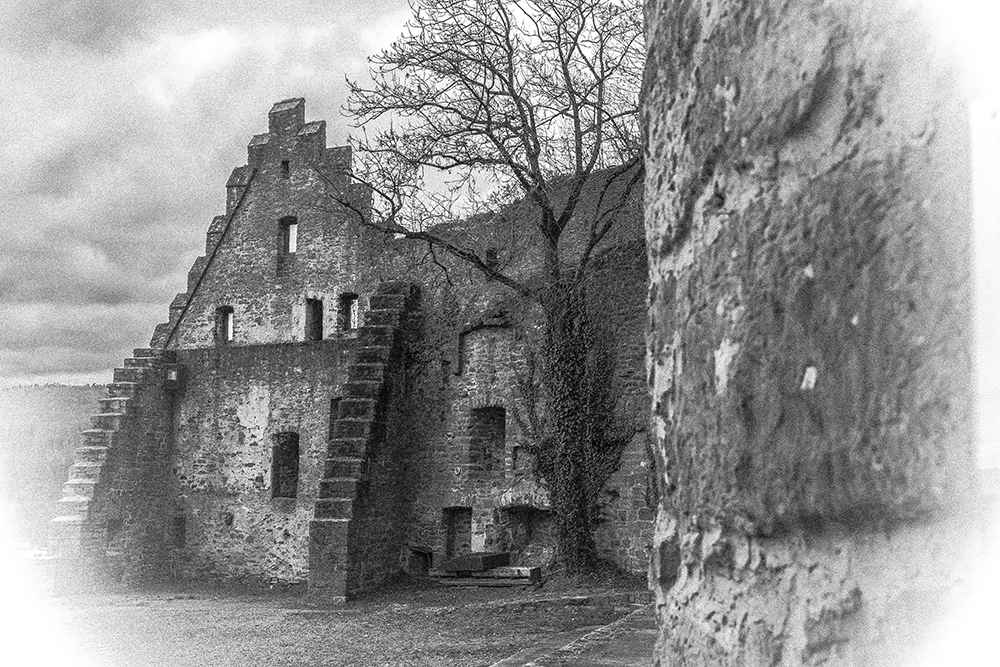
x=808 y=223
x=238 y=395
x=247 y=269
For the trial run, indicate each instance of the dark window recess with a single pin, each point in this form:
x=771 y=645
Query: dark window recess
x=491 y=258
x=288 y=242
x=458 y=531
x=114 y=531
x=349 y=316
x=334 y=409
x=179 y=532
x=285 y=466
x=314 y=319
x=487 y=438
x=225 y=324
x=285 y=170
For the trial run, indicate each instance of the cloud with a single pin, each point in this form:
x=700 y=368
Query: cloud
x=128 y=119
x=101 y=26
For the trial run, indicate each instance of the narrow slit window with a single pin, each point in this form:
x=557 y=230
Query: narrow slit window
x=349 y=312
x=288 y=242
x=290 y=235
x=314 y=319
x=285 y=169
x=225 y=324
x=285 y=466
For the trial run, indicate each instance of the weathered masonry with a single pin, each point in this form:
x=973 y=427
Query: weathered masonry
x=322 y=406
x=809 y=232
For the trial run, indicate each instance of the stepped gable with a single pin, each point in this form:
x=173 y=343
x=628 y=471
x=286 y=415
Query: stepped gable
x=358 y=431
x=288 y=134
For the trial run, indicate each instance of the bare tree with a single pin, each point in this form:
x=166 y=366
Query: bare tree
x=492 y=102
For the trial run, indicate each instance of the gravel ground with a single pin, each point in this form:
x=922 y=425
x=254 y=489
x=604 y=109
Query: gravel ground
x=412 y=625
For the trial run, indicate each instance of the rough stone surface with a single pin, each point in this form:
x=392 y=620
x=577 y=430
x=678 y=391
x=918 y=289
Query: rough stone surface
x=808 y=226
x=383 y=411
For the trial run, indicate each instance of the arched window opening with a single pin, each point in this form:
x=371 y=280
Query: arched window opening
x=285 y=466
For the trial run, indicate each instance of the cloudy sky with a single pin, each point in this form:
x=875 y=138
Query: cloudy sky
x=120 y=123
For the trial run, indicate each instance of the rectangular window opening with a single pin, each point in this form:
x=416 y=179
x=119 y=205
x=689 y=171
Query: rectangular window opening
x=179 y=530
x=290 y=236
x=225 y=324
x=458 y=531
x=285 y=466
x=487 y=438
x=285 y=169
x=288 y=242
x=314 y=319
x=349 y=312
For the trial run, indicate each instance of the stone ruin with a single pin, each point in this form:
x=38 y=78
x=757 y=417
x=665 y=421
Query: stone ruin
x=322 y=409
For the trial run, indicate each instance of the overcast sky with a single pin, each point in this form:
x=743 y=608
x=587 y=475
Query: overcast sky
x=120 y=123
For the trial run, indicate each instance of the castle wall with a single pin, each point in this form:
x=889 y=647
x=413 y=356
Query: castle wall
x=808 y=225
x=359 y=507
x=475 y=359
x=234 y=403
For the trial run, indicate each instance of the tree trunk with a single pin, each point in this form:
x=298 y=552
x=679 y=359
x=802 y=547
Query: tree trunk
x=565 y=371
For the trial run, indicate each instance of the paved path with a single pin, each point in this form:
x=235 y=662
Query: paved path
x=627 y=641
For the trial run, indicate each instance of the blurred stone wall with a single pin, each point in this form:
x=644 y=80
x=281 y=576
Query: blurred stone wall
x=808 y=223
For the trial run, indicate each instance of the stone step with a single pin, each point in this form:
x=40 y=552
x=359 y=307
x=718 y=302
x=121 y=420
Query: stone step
x=363 y=389
x=348 y=447
x=121 y=389
x=131 y=374
x=79 y=487
x=114 y=403
x=334 y=508
x=387 y=302
x=338 y=487
x=357 y=408
x=68 y=520
x=352 y=428
x=383 y=317
x=91 y=453
x=97 y=437
x=85 y=470
x=74 y=505
x=110 y=421
x=142 y=362
x=366 y=373
x=373 y=354
x=342 y=466
x=167 y=356
x=381 y=336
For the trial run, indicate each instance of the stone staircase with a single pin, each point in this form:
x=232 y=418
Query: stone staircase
x=80 y=529
x=357 y=433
